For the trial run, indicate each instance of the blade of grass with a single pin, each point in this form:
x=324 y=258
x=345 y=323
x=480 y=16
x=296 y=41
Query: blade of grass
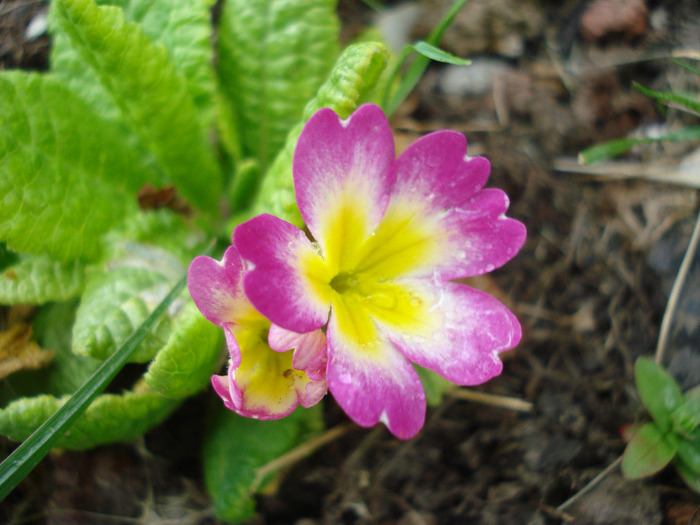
x=686 y=66
x=418 y=66
x=18 y=464
x=670 y=97
x=617 y=147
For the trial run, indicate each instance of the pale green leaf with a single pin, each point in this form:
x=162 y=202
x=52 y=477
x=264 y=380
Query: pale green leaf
x=38 y=279
x=354 y=75
x=114 y=305
x=692 y=479
x=189 y=358
x=152 y=95
x=688 y=450
x=111 y=418
x=648 y=452
x=66 y=176
x=273 y=55
x=659 y=391
x=184 y=28
x=236 y=447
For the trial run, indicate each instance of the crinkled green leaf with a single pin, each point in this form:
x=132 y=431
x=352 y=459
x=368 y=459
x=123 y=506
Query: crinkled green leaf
x=114 y=305
x=152 y=95
x=648 y=452
x=184 y=28
x=659 y=391
x=160 y=240
x=236 y=447
x=66 y=176
x=273 y=55
x=38 y=279
x=354 y=75
x=185 y=364
x=110 y=419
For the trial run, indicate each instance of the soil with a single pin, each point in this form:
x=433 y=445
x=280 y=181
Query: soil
x=590 y=288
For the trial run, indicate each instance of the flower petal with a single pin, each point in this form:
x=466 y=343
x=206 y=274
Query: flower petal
x=309 y=349
x=457 y=331
x=286 y=280
x=216 y=287
x=370 y=379
x=342 y=178
x=436 y=171
x=265 y=379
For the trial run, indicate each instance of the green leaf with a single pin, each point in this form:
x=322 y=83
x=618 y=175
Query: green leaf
x=273 y=55
x=113 y=306
x=354 y=75
x=435 y=53
x=236 y=447
x=647 y=453
x=434 y=384
x=669 y=97
x=66 y=176
x=688 y=450
x=110 y=419
x=692 y=479
x=617 y=147
x=152 y=95
x=25 y=457
x=189 y=358
x=686 y=418
x=394 y=97
x=659 y=391
x=38 y=279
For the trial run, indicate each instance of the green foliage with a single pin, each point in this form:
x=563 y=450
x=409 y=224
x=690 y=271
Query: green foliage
x=113 y=305
x=435 y=53
x=152 y=95
x=434 y=384
x=38 y=279
x=56 y=200
x=274 y=55
x=674 y=433
x=189 y=358
x=236 y=447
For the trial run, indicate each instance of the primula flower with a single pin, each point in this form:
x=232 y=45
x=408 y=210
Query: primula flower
x=260 y=383
x=390 y=236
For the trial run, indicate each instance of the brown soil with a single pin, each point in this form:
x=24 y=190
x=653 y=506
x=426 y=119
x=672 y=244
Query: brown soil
x=590 y=287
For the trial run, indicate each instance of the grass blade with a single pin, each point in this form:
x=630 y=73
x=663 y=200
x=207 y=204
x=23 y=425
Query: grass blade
x=617 y=147
x=18 y=464
x=669 y=97
x=419 y=65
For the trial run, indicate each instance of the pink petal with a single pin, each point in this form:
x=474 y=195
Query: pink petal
x=339 y=163
x=277 y=282
x=309 y=349
x=460 y=332
x=216 y=287
x=370 y=389
x=435 y=170
x=482 y=238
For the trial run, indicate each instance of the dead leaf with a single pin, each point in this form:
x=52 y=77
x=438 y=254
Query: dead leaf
x=19 y=352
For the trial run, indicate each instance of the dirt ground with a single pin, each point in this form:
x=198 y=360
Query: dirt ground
x=590 y=288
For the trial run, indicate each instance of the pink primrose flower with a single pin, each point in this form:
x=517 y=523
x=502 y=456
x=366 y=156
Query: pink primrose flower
x=261 y=383
x=390 y=236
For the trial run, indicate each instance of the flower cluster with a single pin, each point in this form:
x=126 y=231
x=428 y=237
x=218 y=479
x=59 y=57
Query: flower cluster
x=374 y=291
